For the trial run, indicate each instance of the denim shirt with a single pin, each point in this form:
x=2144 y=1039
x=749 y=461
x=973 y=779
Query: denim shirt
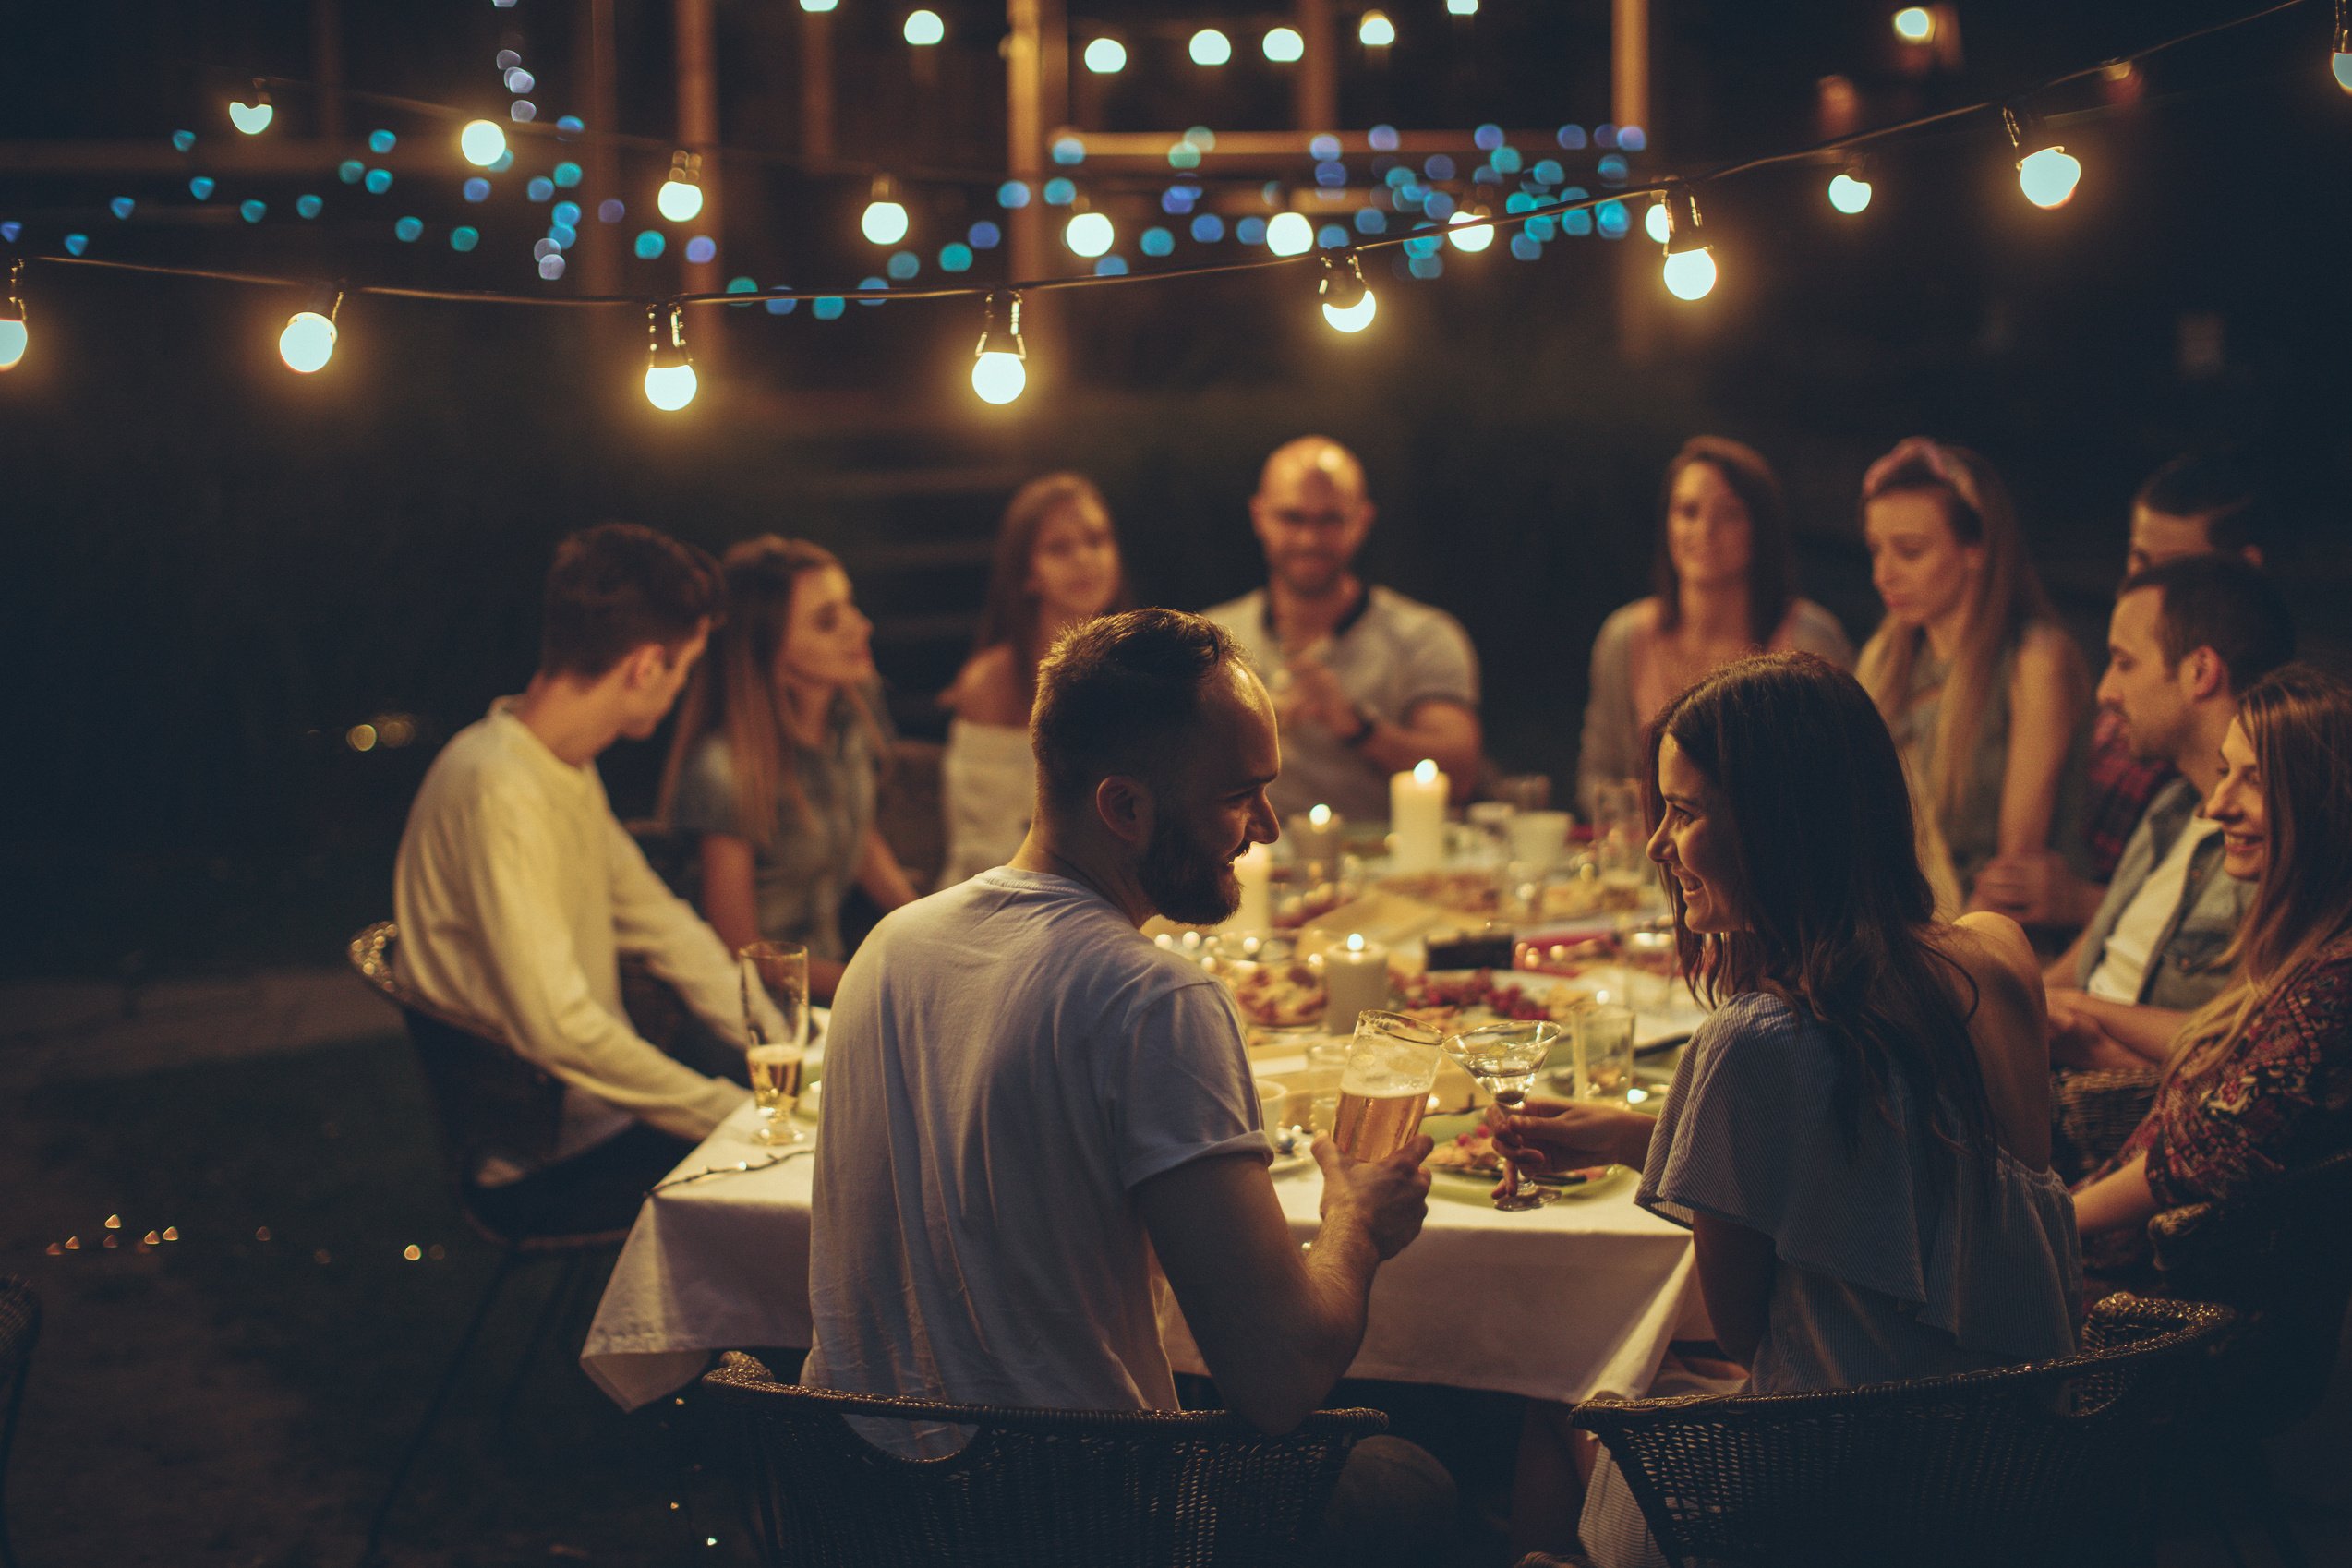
x=2182 y=971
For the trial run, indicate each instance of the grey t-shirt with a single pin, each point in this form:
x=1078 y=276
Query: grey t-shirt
x=1391 y=655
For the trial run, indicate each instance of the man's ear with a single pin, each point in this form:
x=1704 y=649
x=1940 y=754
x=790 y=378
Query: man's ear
x=2203 y=675
x=646 y=665
x=1124 y=807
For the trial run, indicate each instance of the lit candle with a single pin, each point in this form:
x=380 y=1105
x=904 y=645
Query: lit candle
x=1354 y=978
x=1315 y=837
x=1416 y=817
x=1254 y=869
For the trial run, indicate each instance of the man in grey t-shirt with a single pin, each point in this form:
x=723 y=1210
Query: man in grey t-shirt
x=1365 y=681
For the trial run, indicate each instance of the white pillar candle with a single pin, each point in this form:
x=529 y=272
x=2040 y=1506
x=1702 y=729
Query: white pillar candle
x=1416 y=817
x=1254 y=869
x=1354 y=978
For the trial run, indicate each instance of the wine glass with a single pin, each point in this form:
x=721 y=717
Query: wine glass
x=1504 y=1059
x=776 y=1030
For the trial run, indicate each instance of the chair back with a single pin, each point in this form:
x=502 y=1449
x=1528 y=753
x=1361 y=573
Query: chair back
x=2039 y=1463
x=1108 y=1488
x=487 y=1101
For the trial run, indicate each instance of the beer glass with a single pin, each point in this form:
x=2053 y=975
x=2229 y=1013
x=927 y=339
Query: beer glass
x=775 y=1029
x=1385 y=1087
x=1505 y=1057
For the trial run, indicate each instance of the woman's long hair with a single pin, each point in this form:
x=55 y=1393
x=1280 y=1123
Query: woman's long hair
x=1011 y=615
x=1772 y=569
x=1840 y=916
x=733 y=689
x=2005 y=599
x=2298 y=723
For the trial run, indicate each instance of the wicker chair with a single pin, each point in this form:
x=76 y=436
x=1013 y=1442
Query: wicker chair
x=19 y=1332
x=2040 y=1464
x=486 y=1101
x=1105 y=1489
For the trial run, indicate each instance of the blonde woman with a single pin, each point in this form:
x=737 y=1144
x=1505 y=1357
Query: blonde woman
x=1984 y=692
x=774 y=771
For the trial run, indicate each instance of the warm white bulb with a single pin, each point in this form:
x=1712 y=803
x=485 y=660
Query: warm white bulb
x=1914 y=24
x=885 y=222
x=670 y=387
x=1375 y=31
x=1289 y=233
x=2341 y=63
x=2049 y=177
x=1088 y=234
x=308 y=342
x=1848 y=195
x=1462 y=7
x=1283 y=45
x=1690 y=274
x=998 y=377
x=251 y=118
x=1355 y=317
x=818 y=5
x=1106 y=56
x=13 y=339
x=482 y=142
x=678 y=200
x=1472 y=240
x=1211 y=47
x=924 y=29
x=1657 y=223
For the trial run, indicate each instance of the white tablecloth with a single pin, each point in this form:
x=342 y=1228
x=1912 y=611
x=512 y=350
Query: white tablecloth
x=1576 y=1299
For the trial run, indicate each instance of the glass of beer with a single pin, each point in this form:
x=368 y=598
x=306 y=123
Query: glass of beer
x=1384 y=1087
x=775 y=1029
x=1504 y=1059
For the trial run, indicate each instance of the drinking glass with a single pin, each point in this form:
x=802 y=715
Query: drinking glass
x=775 y=1030
x=1618 y=829
x=1385 y=1087
x=1525 y=792
x=1326 y=1065
x=1604 y=1051
x=1504 y=1059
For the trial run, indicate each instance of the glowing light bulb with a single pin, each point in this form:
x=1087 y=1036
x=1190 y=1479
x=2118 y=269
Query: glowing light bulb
x=670 y=387
x=1914 y=24
x=1290 y=233
x=1088 y=234
x=308 y=342
x=680 y=200
x=1355 y=317
x=1375 y=31
x=253 y=118
x=1283 y=45
x=1657 y=222
x=1349 y=307
x=1690 y=274
x=1211 y=47
x=2049 y=177
x=1462 y=7
x=924 y=29
x=999 y=371
x=884 y=221
x=1467 y=239
x=818 y=7
x=1849 y=193
x=670 y=381
x=13 y=341
x=1106 y=56
x=482 y=142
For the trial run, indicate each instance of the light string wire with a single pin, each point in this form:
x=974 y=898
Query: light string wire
x=1659 y=186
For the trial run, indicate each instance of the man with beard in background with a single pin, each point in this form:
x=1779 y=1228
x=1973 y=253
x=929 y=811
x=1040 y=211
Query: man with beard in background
x=1026 y=1101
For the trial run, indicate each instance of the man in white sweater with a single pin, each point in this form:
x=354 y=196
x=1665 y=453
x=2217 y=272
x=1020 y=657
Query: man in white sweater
x=518 y=891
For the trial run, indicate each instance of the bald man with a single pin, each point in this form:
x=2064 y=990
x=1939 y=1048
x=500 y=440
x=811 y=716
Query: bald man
x=1365 y=681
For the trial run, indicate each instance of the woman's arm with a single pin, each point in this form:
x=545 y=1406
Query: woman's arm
x=2146 y=1032
x=2046 y=700
x=879 y=873
x=1735 y=1266
x=728 y=903
x=2122 y=1199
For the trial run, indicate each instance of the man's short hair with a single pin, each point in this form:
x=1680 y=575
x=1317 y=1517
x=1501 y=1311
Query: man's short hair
x=2219 y=602
x=2220 y=489
x=617 y=586
x=1120 y=695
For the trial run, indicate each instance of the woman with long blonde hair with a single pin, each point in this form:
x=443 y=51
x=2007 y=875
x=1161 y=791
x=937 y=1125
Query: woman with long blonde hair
x=2259 y=1083
x=775 y=769
x=1984 y=692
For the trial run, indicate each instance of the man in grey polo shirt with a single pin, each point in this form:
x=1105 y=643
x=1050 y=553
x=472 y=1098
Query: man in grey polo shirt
x=1365 y=681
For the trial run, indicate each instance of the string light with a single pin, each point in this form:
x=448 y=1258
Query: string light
x=1850 y=188
x=1915 y=24
x=308 y=341
x=680 y=197
x=482 y=142
x=1106 y=56
x=253 y=118
x=1348 y=304
x=14 y=338
x=1088 y=234
x=924 y=29
x=1290 y=233
x=1462 y=7
x=1376 y=31
x=1656 y=223
x=1283 y=45
x=1211 y=47
x=2340 y=63
x=1000 y=366
x=670 y=383
x=884 y=219
x=818 y=7
x=2046 y=171
x=1468 y=239
x=1690 y=265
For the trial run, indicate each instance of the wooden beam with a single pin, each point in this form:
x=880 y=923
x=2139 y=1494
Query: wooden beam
x=1315 y=89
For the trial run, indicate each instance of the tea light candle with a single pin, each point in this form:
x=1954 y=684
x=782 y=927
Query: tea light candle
x=1254 y=869
x=1416 y=817
x=1354 y=978
x=1315 y=837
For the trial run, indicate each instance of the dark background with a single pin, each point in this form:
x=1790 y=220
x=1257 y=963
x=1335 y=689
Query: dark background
x=216 y=568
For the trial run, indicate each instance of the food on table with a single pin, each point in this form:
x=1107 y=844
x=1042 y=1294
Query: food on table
x=1470 y=892
x=1286 y=994
x=1447 y=1003
x=1473 y=1153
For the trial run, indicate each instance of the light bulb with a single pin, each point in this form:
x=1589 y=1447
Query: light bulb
x=482 y=142
x=1914 y=24
x=1106 y=56
x=670 y=382
x=2049 y=177
x=678 y=200
x=1211 y=47
x=998 y=377
x=1471 y=240
x=253 y=118
x=1375 y=31
x=818 y=7
x=1462 y=7
x=884 y=220
x=1283 y=45
x=308 y=342
x=1690 y=274
x=1849 y=193
x=1657 y=223
x=924 y=29
x=13 y=341
x=2341 y=63
x=1348 y=306
x=1355 y=317
x=670 y=387
x=1088 y=234
x=1290 y=233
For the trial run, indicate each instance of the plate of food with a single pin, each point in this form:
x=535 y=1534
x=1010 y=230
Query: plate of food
x=1459 y=999
x=1275 y=985
x=1464 y=1166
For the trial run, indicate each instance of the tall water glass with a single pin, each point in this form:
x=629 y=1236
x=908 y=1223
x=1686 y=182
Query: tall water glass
x=776 y=1028
x=1385 y=1087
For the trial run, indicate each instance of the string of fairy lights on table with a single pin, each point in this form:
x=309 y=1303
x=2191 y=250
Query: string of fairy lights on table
x=2048 y=175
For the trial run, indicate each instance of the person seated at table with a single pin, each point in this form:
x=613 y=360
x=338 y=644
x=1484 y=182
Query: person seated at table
x=1365 y=681
x=518 y=891
x=1984 y=689
x=1026 y=1102
x=2259 y=1081
x=773 y=769
x=1726 y=588
x=1858 y=1135
x=1057 y=563
x=2205 y=504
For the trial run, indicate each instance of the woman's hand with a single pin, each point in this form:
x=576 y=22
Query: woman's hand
x=1550 y=1134
x=2077 y=1041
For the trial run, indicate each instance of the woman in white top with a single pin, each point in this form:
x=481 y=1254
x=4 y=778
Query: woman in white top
x=1057 y=563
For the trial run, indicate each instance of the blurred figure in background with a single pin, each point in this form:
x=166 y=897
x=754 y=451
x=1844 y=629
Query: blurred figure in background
x=1057 y=563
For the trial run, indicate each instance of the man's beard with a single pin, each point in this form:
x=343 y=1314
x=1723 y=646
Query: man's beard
x=1185 y=883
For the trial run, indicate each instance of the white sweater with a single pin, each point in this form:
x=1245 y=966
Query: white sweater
x=517 y=892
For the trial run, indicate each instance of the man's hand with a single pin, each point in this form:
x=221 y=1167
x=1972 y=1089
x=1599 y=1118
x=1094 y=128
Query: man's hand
x=1550 y=1134
x=1388 y=1197
x=2035 y=888
x=2077 y=1041
x=1313 y=694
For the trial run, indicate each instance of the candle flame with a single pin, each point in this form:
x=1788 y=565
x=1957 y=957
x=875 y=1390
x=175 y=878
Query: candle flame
x=1319 y=815
x=1425 y=771
x=1355 y=941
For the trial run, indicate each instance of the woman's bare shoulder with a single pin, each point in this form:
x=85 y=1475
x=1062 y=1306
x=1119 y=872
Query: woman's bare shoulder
x=988 y=690
x=1993 y=948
